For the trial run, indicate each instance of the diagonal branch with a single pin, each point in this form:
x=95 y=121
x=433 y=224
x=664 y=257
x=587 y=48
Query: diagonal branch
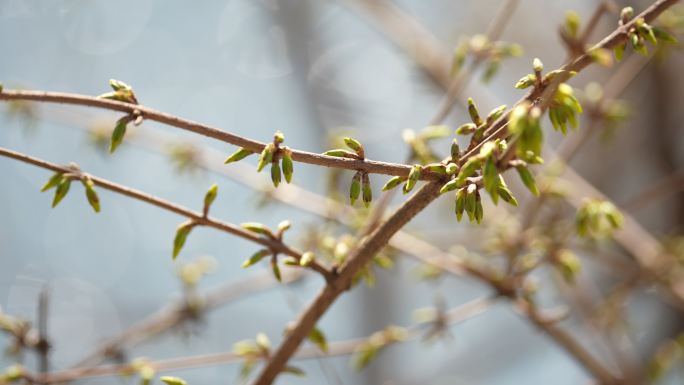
x=453 y=316
x=370 y=166
x=415 y=204
x=197 y=217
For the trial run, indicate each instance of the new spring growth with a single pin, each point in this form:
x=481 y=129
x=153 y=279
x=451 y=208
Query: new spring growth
x=209 y=198
x=639 y=33
x=526 y=129
x=62 y=184
x=240 y=154
x=366 y=191
x=481 y=48
x=258 y=228
x=567 y=264
x=169 y=380
x=367 y=351
x=455 y=153
x=91 y=194
x=351 y=143
x=394 y=182
x=572 y=24
x=118 y=133
x=122 y=92
x=287 y=164
x=317 y=337
x=413 y=177
x=307 y=259
x=266 y=156
x=355 y=145
x=597 y=219
x=525 y=175
x=275 y=268
x=182 y=232
x=564 y=108
x=255 y=258
x=355 y=188
x=474 y=113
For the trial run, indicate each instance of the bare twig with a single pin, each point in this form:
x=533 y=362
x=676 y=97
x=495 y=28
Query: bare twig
x=43 y=344
x=665 y=187
x=453 y=316
x=173 y=314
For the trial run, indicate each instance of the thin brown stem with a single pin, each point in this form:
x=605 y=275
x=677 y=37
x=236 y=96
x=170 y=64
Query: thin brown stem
x=370 y=166
x=493 y=32
x=665 y=187
x=569 y=343
x=195 y=216
x=341 y=348
x=175 y=313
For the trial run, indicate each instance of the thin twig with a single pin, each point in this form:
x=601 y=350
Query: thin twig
x=43 y=344
x=173 y=314
x=370 y=166
x=665 y=187
x=197 y=217
x=453 y=316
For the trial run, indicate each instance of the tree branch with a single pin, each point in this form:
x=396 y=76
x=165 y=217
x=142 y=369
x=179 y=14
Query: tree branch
x=370 y=166
x=453 y=316
x=197 y=217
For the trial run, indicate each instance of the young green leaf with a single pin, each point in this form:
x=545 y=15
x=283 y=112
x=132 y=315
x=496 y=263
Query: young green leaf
x=619 y=51
x=490 y=174
x=295 y=371
x=118 y=85
x=460 y=203
x=61 y=191
x=257 y=228
x=528 y=179
x=182 y=233
x=53 y=181
x=255 y=258
x=355 y=187
x=275 y=268
x=413 y=177
x=341 y=153
x=275 y=173
x=505 y=193
x=318 y=338
x=169 y=380
x=209 y=198
x=526 y=81
x=367 y=192
x=479 y=212
x=466 y=129
x=471 y=165
x=455 y=151
x=240 y=154
x=90 y=192
x=393 y=182
x=473 y=112
x=266 y=156
x=450 y=186
x=568 y=265
x=118 y=133
x=287 y=165
x=495 y=114
x=354 y=145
